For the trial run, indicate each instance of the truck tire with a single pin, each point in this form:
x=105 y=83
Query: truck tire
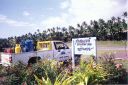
x=33 y=60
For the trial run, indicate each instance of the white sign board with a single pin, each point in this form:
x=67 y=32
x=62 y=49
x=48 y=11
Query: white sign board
x=86 y=46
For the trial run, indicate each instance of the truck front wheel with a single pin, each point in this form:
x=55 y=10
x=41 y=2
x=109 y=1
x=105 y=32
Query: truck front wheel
x=33 y=60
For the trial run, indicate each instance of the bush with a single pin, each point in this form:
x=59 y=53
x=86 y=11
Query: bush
x=89 y=74
x=117 y=73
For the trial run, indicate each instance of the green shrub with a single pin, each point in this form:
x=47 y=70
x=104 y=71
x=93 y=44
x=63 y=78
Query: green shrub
x=16 y=73
x=89 y=74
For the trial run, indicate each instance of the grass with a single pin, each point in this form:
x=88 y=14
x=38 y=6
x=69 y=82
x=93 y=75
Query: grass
x=112 y=43
x=102 y=52
x=107 y=43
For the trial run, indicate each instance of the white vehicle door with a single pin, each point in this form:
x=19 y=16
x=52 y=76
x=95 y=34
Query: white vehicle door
x=62 y=51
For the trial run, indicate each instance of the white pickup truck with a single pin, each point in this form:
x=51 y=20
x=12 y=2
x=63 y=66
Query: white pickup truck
x=57 y=50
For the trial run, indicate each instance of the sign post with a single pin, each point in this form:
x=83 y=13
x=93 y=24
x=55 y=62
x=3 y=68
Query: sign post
x=85 y=46
x=73 y=56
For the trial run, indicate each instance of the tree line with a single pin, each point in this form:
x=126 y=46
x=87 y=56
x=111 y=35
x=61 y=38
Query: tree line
x=112 y=29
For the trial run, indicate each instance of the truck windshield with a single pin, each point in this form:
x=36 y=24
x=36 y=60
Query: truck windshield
x=60 y=45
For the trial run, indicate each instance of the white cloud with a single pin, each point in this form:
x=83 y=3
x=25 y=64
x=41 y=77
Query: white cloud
x=50 y=8
x=94 y=9
x=52 y=22
x=4 y=19
x=126 y=6
x=26 y=13
x=65 y=4
x=77 y=11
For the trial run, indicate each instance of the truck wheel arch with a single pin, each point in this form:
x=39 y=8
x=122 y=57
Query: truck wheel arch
x=33 y=60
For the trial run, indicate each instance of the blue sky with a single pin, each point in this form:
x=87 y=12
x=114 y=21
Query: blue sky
x=19 y=17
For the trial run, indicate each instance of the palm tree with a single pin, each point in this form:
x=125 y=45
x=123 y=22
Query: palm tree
x=102 y=29
x=38 y=30
x=110 y=29
x=71 y=31
x=84 y=30
x=95 y=29
x=124 y=20
x=48 y=34
x=89 y=31
x=125 y=14
x=53 y=33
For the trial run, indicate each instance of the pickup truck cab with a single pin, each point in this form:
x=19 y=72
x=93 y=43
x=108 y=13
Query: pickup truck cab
x=57 y=50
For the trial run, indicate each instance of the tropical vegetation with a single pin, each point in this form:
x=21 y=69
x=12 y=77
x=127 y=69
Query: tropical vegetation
x=51 y=72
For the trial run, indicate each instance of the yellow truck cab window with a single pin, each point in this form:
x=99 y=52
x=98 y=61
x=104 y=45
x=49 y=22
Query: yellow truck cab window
x=44 y=45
